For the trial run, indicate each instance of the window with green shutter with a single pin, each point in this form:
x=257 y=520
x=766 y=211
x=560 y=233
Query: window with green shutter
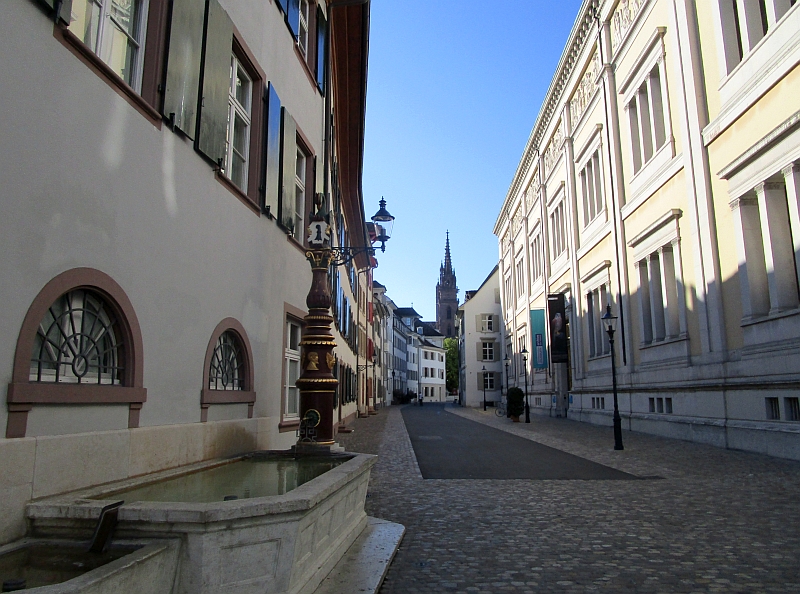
x=182 y=88
x=64 y=8
x=287 y=170
x=216 y=84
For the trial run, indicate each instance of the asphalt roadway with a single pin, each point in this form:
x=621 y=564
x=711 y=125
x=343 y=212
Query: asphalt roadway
x=450 y=447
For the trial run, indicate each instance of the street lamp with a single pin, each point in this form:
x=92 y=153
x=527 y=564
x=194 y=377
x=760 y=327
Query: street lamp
x=484 y=388
x=610 y=320
x=525 y=372
x=506 y=360
x=383 y=224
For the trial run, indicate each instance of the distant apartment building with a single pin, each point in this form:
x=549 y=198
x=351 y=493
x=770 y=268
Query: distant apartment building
x=431 y=355
x=480 y=336
x=662 y=178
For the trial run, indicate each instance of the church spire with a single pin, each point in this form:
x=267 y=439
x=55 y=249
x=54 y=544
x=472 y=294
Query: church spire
x=446 y=294
x=446 y=269
x=448 y=265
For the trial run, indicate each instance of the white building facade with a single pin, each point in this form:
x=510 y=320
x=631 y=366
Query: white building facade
x=156 y=234
x=431 y=363
x=480 y=336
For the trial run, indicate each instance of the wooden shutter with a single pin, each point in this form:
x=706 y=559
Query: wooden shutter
x=293 y=16
x=272 y=161
x=479 y=350
x=183 y=65
x=64 y=10
x=480 y=381
x=478 y=325
x=218 y=46
x=287 y=169
x=496 y=323
x=322 y=49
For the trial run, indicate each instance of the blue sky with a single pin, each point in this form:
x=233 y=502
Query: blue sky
x=454 y=89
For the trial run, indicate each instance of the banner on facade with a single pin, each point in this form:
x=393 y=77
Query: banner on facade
x=538 y=334
x=559 y=350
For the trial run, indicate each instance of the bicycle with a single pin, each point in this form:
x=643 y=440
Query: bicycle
x=500 y=409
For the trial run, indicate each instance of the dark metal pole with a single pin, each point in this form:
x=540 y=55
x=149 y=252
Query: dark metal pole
x=617 y=419
x=508 y=385
x=527 y=404
x=484 y=388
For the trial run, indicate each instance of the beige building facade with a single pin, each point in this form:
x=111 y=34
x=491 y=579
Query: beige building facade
x=661 y=179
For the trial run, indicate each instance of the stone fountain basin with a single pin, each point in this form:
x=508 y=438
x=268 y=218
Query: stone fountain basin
x=131 y=567
x=275 y=544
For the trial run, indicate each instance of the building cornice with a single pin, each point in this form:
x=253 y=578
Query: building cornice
x=579 y=36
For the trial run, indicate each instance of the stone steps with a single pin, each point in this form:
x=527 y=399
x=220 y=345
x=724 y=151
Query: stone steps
x=364 y=565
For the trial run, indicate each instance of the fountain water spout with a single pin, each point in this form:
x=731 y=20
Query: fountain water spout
x=105 y=527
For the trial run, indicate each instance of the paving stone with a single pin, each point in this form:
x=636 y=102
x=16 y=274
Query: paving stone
x=716 y=521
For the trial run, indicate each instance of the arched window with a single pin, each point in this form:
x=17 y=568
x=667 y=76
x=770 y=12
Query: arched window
x=80 y=343
x=449 y=313
x=228 y=369
x=227 y=364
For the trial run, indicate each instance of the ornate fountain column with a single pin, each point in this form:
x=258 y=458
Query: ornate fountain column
x=317 y=383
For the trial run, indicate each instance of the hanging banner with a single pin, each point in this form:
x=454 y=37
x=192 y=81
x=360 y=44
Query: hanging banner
x=559 y=349
x=538 y=334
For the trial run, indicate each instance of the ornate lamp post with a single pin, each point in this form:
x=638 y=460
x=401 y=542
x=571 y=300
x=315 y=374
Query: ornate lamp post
x=317 y=383
x=610 y=320
x=484 y=387
x=525 y=372
x=507 y=360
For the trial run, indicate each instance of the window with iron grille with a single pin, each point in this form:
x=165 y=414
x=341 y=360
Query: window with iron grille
x=557 y=230
x=646 y=117
x=792 y=406
x=592 y=189
x=773 y=409
x=226 y=371
x=78 y=341
x=536 y=258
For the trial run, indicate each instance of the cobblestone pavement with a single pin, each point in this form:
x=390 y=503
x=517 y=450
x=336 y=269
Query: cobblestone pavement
x=719 y=521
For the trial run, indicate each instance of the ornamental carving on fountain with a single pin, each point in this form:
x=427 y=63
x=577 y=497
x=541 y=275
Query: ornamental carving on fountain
x=317 y=383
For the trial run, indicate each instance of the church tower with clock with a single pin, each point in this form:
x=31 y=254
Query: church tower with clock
x=446 y=295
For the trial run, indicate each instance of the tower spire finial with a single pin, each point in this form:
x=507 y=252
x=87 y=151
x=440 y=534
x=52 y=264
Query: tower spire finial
x=448 y=265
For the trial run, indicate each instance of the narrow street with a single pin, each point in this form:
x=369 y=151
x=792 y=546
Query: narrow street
x=680 y=517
